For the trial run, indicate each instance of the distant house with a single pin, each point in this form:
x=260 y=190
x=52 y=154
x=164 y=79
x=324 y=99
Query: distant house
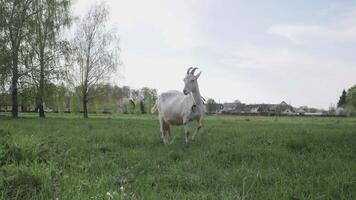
x=283 y=106
x=283 y=103
x=219 y=107
x=288 y=112
x=300 y=111
x=255 y=110
x=313 y=114
x=235 y=108
x=258 y=109
x=261 y=108
x=230 y=106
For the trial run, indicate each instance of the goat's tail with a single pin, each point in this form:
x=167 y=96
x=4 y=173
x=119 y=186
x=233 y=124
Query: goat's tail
x=154 y=109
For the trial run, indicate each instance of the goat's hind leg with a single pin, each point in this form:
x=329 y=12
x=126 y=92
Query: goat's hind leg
x=166 y=132
x=163 y=130
x=198 y=128
x=186 y=131
x=161 y=127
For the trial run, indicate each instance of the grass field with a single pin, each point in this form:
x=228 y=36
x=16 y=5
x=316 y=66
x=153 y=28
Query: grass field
x=121 y=157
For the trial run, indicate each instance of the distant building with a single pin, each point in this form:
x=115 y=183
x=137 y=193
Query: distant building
x=289 y=112
x=300 y=111
x=258 y=109
x=219 y=107
x=313 y=114
x=230 y=106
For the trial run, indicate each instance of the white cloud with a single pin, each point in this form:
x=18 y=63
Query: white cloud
x=280 y=73
x=301 y=33
x=342 y=30
x=261 y=57
x=176 y=22
x=281 y=57
x=293 y=32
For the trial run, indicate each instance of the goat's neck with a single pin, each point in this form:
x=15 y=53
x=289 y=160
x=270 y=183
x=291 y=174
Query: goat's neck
x=197 y=97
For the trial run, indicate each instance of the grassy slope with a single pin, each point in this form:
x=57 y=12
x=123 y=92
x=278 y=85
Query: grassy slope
x=235 y=158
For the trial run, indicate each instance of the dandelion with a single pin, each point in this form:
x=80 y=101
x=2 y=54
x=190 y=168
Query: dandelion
x=110 y=195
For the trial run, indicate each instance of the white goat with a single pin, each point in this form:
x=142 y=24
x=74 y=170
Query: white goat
x=177 y=108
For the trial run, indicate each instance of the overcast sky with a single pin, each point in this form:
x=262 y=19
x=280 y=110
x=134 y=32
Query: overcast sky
x=302 y=52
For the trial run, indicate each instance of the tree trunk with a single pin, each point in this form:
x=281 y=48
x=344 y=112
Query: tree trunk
x=15 y=77
x=85 y=109
x=85 y=89
x=41 y=110
x=85 y=106
x=41 y=88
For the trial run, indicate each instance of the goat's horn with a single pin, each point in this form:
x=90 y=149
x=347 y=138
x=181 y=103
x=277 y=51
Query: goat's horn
x=192 y=72
x=189 y=70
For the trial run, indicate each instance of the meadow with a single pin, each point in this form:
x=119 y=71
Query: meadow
x=122 y=157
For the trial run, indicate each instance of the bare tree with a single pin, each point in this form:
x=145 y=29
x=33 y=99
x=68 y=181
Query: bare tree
x=96 y=52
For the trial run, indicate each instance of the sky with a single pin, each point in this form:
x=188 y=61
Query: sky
x=301 y=52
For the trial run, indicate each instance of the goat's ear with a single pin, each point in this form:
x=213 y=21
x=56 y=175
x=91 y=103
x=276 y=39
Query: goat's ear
x=197 y=76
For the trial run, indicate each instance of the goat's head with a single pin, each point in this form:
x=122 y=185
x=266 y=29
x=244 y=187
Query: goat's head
x=191 y=81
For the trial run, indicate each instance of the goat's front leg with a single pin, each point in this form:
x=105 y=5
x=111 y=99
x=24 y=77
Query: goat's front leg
x=186 y=131
x=198 y=128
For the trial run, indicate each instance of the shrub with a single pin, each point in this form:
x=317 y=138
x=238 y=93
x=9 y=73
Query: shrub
x=346 y=111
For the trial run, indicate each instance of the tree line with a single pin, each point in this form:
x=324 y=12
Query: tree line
x=347 y=102
x=47 y=63
x=105 y=98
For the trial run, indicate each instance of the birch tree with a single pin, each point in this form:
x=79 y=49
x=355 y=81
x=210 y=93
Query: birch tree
x=96 y=52
x=48 y=49
x=15 y=16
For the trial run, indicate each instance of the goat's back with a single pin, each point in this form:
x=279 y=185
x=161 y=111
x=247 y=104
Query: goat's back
x=173 y=106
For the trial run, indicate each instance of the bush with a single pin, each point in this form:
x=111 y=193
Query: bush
x=131 y=107
x=346 y=111
x=138 y=107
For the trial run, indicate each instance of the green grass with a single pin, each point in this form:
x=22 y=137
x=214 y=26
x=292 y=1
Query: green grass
x=66 y=157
